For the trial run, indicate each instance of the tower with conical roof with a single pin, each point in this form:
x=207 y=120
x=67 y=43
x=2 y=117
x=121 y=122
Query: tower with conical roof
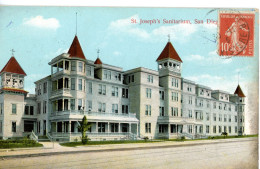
x=12 y=77
x=169 y=67
x=240 y=100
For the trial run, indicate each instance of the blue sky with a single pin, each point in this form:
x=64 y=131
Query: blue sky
x=38 y=34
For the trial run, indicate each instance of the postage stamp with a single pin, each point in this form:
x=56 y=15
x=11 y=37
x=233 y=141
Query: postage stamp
x=236 y=34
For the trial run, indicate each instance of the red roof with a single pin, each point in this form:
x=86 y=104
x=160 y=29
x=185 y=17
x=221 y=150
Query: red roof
x=239 y=92
x=169 y=52
x=98 y=61
x=14 y=90
x=75 y=49
x=13 y=66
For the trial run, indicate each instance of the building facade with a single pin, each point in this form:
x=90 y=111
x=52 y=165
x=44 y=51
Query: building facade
x=118 y=104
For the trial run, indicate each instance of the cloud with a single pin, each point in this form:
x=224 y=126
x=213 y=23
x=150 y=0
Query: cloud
x=117 y=53
x=40 y=22
x=194 y=57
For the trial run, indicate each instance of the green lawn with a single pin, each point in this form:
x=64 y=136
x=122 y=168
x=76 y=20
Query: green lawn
x=74 y=144
x=19 y=143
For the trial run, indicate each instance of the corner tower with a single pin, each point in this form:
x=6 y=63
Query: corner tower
x=241 y=109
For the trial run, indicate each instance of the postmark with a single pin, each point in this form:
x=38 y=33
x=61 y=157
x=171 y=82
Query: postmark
x=236 y=33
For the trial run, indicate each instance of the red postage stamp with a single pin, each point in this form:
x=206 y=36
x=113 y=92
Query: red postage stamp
x=236 y=34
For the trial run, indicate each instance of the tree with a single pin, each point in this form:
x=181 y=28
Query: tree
x=84 y=126
x=225 y=134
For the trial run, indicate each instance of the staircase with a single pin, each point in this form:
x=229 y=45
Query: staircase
x=186 y=135
x=43 y=139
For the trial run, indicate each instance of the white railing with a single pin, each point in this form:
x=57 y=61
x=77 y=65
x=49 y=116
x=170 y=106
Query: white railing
x=186 y=135
x=33 y=136
x=61 y=91
x=129 y=135
x=49 y=136
x=90 y=113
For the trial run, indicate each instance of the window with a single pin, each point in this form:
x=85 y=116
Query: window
x=89 y=105
x=190 y=128
x=207 y=129
x=148 y=110
x=102 y=89
x=161 y=95
x=235 y=129
x=208 y=104
x=80 y=66
x=161 y=109
x=114 y=108
x=89 y=88
x=190 y=113
x=1 y=108
x=214 y=117
x=38 y=127
x=229 y=107
x=88 y=69
x=114 y=127
x=201 y=103
x=150 y=78
x=214 y=129
x=80 y=84
x=235 y=118
x=133 y=78
x=174 y=111
x=27 y=110
x=72 y=83
x=80 y=104
x=225 y=106
x=163 y=128
x=101 y=107
x=220 y=106
x=225 y=128
x=207 y=114
x=175 y=96
x=147 y=127
x=14 y=108
x=1 y=126
x=101 y=127
x=39 y=89
x=105 y=74
x=175 y=82
x=13 y=126
x=214 y=105
x=114 y=91
x=44 y=107
x=148 y=93
x=189 y=89
x=125 y=109
x=124 y=93
x=229 y=129
x=220 y=117
x=39 y=108
x=229 y=118
x=219 y=129
x=190 y=100
x=72 y=104
x=45 y=87
x=225 y=118
x=73 y=66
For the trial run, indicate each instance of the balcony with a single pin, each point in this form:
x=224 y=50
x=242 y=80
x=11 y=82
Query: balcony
x=61 y=92
x=176 y=119
x=95 y=116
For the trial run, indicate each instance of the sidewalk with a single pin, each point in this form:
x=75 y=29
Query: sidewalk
x=55 y=149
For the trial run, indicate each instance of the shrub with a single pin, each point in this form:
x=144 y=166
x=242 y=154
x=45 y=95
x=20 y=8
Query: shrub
x=146 y=138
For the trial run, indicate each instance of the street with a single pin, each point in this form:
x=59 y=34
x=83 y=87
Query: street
x=236 y=154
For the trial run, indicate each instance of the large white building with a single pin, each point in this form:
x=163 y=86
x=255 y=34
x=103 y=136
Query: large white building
x=119 y=104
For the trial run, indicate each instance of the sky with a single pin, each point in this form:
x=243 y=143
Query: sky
x=38 y=34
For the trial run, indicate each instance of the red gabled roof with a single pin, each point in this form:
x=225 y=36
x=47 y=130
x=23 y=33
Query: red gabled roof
x=75 y=49
x=13 y=66
x=98 y=61
x=239 y=92
x=169 y=52
x=14 y=90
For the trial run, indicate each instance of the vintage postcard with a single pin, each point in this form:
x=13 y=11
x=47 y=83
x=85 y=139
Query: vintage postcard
x=118 y=87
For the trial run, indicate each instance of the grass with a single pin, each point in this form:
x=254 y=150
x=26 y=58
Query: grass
x=19 y=143
x=214 y=138
x=74 y=144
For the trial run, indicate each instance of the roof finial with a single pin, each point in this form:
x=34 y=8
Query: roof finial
x=12 y=50
x=169 y=37
x=76 y=23
x=98 y=51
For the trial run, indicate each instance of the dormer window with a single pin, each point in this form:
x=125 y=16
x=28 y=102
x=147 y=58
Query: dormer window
x=170 y=64
x=165 y=64
x=160 y=66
